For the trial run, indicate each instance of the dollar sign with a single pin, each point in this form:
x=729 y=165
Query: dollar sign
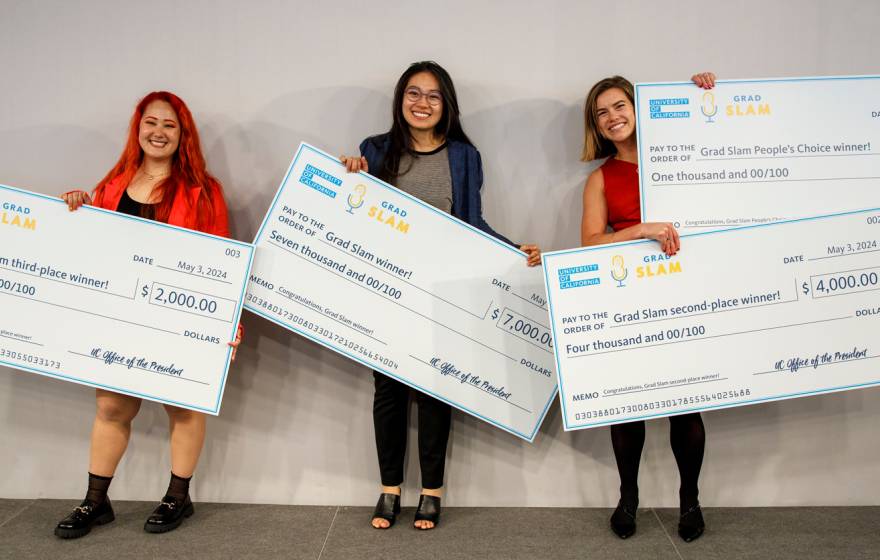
x=144 y=291
x=806 y=288
x=495 y=314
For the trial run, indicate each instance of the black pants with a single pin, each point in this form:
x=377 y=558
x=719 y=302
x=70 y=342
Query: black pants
x=390 y=407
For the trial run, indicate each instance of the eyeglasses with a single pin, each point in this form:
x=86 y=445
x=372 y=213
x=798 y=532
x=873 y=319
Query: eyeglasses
x=413 y=94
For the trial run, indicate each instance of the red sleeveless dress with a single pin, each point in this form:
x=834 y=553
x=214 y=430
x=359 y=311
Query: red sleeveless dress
x=622 y=193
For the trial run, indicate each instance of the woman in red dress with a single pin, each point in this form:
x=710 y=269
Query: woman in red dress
x=611 y=199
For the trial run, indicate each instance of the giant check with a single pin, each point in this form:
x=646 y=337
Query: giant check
x=739 y=316
x=116 y=302
x=757 y=151
x=397 y=285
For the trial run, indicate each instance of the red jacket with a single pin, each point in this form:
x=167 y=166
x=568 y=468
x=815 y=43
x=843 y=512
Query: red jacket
x=182 y=209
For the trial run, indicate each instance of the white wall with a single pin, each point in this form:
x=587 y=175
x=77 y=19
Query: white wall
x=263 y=76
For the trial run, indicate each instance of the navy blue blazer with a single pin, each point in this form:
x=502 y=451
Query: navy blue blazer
x=465 y=169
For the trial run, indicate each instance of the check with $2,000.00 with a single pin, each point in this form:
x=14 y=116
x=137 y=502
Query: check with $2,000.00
x=116 y=302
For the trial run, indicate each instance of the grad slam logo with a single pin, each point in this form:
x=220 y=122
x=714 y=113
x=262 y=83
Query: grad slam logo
x=15 y=215
x=619 y=271
x=708 y=106
x=752 y=105
x=386 y=213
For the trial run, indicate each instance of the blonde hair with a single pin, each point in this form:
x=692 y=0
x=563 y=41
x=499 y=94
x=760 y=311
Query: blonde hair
x=595 y=145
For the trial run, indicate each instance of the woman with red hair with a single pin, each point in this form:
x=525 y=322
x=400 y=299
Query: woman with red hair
x=161 y=176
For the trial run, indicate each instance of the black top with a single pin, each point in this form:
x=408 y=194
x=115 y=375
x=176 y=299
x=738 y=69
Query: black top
x=130 y=206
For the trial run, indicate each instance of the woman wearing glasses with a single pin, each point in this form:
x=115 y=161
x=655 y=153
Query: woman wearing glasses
x=426 y=154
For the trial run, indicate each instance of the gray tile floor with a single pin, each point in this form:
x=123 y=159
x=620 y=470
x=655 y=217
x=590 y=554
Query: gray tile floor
x=265 y=531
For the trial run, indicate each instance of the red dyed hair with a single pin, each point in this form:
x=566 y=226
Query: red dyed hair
x=187 y=164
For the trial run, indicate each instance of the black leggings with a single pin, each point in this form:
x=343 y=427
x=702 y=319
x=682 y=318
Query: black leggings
x=390 y=407
x=688 y=438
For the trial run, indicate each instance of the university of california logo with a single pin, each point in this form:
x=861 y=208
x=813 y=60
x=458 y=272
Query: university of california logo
x=329 y=182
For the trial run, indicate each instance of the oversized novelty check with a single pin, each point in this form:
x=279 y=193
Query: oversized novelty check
x=757 y=151
x=116 y=302
x=397 y=285
x=739 y=316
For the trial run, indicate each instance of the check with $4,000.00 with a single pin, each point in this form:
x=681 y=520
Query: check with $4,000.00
x=116 y=302
x=737 y=317
x=392 y=283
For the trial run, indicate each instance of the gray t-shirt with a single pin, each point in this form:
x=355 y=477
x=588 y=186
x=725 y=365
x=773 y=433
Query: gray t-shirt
x=426 y=177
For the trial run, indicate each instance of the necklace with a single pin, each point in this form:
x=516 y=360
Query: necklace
x=154 y=177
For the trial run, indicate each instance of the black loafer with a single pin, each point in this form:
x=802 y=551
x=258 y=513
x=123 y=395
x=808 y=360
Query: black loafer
x=428 y=510
x=387 y=508
x=83 y=517
x=623 y=520
x=169 y=515
x=691 y=524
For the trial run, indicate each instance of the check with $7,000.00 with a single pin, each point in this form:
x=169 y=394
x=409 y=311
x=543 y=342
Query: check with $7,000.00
x=382 y=278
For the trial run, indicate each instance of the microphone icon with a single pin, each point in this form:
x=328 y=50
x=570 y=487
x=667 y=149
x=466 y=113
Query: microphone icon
x=356 y=198
x=708 y=107
x=618 y=270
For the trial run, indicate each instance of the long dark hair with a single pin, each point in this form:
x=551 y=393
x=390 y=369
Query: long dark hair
x=449 y=125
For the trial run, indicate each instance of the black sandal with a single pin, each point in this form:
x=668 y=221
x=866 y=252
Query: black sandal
x=387 y=508
x=428 y=510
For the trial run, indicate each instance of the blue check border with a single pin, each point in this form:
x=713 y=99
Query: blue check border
x=236 y=317
x=546 y=257
x=639 y=87
x=304 y=147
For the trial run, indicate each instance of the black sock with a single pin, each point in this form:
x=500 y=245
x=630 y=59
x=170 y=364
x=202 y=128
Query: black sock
x=178 y=488
x=628 y=440
x=688 y=439
x=98 y=486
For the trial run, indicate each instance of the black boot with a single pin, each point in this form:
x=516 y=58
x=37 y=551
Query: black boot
x=83 y=517
x=691 y=524
x=623 y=520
